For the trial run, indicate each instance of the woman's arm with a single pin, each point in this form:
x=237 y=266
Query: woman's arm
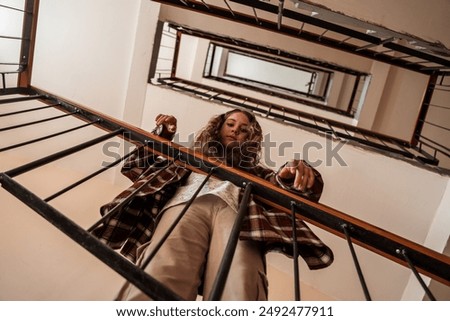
x=295 y=176
x=138 y=162
x=143 y=157
x=300 y=177
x=166 y=126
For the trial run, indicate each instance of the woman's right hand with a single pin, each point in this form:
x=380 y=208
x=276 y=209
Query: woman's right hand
x=301 y=174
x=168 y=121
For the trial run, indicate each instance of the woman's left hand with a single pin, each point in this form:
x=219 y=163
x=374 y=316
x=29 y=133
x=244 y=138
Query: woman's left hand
x=300 y=172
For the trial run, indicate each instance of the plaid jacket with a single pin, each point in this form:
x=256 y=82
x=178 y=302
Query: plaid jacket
x=155 y=180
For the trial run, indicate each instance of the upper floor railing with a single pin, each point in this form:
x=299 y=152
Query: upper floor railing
x=428 y=145
x=16 y=43
x=336 y=130
x=433 y=121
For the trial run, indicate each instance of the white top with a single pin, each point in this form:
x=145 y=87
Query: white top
x=225 y=190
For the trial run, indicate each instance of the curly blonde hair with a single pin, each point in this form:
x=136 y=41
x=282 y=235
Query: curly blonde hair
x=245 y=156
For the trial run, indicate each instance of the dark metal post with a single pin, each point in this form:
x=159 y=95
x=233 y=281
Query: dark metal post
x=27 y=110
x=44 y=137
x=225 y=265
x=416 y=274
x=125 y=201
x=35 y=122
x=19 y=99
x=424 y=109
x=295 y=254
x=357 y=266
x=352 y=98
x=50 y=158
x=88 y=177
x=177 y=220
x=115 y=261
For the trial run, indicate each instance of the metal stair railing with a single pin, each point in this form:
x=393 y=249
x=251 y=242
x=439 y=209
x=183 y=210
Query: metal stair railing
x=338 y=130
x=337 y=31
x=423 y=150
x=20 y=62
x=393 y=247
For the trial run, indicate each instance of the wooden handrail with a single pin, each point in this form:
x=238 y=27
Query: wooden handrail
x=387 y=244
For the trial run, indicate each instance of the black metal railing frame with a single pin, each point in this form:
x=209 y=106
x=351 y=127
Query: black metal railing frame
x=393 y=247
x=405 y=59
x=391 y=146
x=422 y=149
x=437 y=84
x=273 y=53
x=412 y=150
x=25 y=39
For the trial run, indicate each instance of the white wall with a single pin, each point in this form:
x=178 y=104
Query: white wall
x=141 y=55
x=88 y=52
x=404 y=90
x=84 y=51
x=403 y=199
x=437 y=239
x=38 y=261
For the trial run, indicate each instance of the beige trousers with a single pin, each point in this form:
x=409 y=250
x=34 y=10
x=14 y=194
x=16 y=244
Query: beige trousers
x=191 y=255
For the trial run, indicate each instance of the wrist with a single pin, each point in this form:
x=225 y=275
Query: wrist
x=283 y=182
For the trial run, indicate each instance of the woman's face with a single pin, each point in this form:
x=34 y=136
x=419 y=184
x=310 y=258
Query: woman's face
x=235 y=129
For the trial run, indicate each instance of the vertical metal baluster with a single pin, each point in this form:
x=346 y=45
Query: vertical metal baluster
x=115 y=261
x=280 y=13
x=229 y=8
x=37 y=121
x=205 y=4
x=256 y=16
x=28 y=110
x=58 y=155
x=357 y=266
x=413 y=269
x=46 y=137
x=222 y=274
x=126 y=199
x=177 y=220
x=295 y=254
x=88 y=177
